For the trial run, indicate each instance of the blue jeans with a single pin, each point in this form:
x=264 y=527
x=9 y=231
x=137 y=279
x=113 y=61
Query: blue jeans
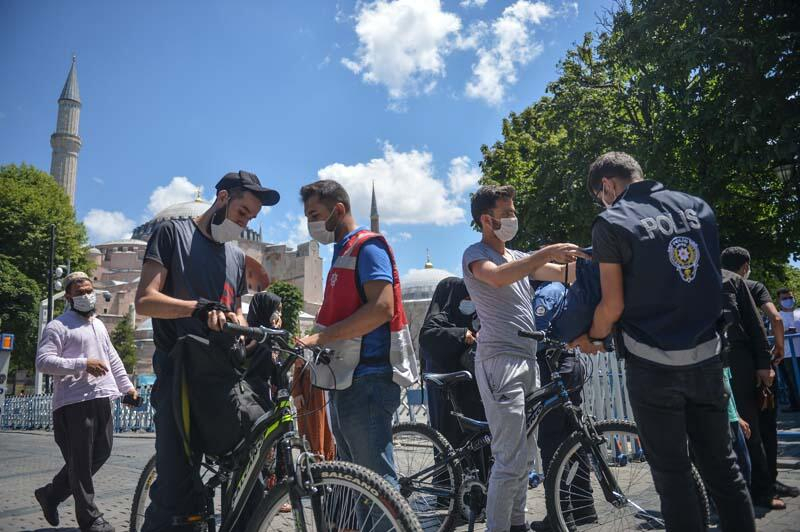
x=740 y=448
x=361 y=421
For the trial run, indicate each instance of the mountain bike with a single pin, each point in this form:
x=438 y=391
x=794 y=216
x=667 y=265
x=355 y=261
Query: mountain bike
x=296 y=490
x=598 y=478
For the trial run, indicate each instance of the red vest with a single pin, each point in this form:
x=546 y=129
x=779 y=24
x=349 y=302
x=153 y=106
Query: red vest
x=342 y=300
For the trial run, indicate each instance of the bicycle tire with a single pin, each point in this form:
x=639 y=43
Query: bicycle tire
x=337 y=474
x=439 y=443
x=142 y=490
x=568 y=449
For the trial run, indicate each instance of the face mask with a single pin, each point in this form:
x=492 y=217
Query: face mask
x=319 y=231
x=746 y=275
x=508 y=229
x=467 y=307
x=603 y=199
x=224 y=230
x=84 y=303
x=788 y=303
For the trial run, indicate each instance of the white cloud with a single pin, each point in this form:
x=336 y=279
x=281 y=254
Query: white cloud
x=105 y=226
x=295 y=230
x=473 y=3
x=463 y=176
x=511 y=45
x=179 y=189
x=393 y=238
x=402 y=44
x=405 y=188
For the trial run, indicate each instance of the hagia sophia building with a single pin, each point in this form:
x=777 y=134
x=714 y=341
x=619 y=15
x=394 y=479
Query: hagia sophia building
x=118 y=264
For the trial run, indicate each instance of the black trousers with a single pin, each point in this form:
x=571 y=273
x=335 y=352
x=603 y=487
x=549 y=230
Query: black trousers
x=762 y=480
x=672 y=405
x=554 y=428
x=84 y=432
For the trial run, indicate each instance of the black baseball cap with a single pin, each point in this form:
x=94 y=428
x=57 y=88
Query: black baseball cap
x=249 y=182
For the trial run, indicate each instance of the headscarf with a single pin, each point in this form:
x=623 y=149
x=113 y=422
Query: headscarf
x=448 y=295
x=262 y=307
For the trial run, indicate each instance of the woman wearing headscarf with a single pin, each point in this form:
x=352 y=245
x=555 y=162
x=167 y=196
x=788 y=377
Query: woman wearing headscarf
x=447 y=336
x=265 y=310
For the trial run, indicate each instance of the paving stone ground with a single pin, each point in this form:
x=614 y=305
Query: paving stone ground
x=30 y=459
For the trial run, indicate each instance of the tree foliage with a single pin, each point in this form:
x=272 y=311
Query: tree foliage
x=292 y=302
x=703 y=94
x=122 y=337
x=30 y=201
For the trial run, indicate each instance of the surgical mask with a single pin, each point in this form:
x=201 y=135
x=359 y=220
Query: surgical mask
x=319 y=231
x=788 y=303
x=508 y=229
x=603 y=199
x=746 y=275
x=466 y=307
x=226 y=229
x=85 y=303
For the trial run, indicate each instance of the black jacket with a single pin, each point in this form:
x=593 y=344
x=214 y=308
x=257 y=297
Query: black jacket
x=746 y=331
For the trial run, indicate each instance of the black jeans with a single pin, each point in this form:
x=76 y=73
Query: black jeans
x=672 y=405
x=84 y=432
x=554 y=428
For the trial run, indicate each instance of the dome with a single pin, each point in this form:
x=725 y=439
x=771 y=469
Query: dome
x=94 y=251
x=122 y=242
x=186 y=209
x=420 y=284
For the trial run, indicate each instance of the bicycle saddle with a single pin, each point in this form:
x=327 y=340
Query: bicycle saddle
x=446 y=379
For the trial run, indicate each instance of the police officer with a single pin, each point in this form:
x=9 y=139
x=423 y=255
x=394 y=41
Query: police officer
x=548 y=301
x=663 y=248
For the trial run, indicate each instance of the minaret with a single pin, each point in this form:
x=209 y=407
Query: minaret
x=428 y=263
x=65 y=141
x=374 y=219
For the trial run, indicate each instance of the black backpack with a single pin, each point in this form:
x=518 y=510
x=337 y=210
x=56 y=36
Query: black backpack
x=215 y=403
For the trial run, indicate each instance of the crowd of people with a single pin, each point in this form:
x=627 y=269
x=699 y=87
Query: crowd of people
x=683 y=314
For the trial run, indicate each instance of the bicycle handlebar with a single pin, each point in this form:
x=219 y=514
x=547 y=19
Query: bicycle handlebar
x=539 y=336
x=259 y=334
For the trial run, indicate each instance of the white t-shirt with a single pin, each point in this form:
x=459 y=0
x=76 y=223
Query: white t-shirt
x=791 y=318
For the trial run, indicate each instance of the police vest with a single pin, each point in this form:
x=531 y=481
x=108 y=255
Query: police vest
x=341 y=300
x=672 y=284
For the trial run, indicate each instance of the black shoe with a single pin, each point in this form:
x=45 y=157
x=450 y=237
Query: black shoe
x=49 y=509
x=541 y=526
x=518 y=528
x=99 y=525
x=782 y=490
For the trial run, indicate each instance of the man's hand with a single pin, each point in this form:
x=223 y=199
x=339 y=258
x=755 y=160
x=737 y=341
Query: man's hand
x=96 y=367
x=298 y=402
x=745 y=428
x=309 y=341
x=134 y=395
x=469 y=338
x=585 y=345
x=777 y=355
x=765 y=376
x=216 y=319
x=564 y=253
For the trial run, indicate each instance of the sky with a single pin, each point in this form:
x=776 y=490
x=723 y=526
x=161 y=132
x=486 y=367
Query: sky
x=399 y=93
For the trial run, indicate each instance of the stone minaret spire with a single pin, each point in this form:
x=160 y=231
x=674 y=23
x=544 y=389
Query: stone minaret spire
x=374 y=219
x=65 y=141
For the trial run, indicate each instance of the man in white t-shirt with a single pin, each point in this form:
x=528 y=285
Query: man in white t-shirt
x=790 y=315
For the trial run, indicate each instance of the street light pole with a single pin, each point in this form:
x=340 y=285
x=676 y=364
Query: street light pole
x=50 y=272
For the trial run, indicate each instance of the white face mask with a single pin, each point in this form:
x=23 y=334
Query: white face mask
x=603 y=199
x=319 y=231
x=84 y=303
x=226 y=230
x=746 y=275
x=508 y=229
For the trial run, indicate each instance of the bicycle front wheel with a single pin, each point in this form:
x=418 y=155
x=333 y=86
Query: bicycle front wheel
x=575 y=498
x=348 y=497
x=141 y=497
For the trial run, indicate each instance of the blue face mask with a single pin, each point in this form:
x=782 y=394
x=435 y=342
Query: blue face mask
x=466 y=307
x=788 y=303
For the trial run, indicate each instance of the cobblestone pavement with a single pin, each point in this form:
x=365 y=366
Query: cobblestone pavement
x=30 y=459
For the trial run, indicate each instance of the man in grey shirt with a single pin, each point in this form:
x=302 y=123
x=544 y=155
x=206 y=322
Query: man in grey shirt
x=498 y=281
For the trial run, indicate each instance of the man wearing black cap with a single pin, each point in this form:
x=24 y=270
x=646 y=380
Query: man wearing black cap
x=191 y=267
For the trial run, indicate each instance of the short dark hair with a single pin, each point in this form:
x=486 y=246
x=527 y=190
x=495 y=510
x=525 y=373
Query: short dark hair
x=328 y=191
x=235 y=192
x=613 y=164
x=784 y=290
x=734 y=258
x=486 y=198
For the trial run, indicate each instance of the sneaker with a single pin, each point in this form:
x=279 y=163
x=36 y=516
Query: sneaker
x=518 y=528
x=49 y=510
x=545 y=526
x=99 y=525
x=782 y=490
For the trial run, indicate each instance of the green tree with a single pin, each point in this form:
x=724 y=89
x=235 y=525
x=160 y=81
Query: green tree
x=123 y=340
x=292 y=302
x=30 y=201
x=703 y=94
x=19 y=298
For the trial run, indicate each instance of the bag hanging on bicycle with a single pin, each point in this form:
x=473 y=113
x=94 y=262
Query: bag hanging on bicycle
x=214 y=404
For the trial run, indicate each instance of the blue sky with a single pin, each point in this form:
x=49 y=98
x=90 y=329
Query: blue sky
x=175 y=94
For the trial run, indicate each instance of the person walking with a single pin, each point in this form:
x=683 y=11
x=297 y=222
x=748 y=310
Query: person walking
x=88 y=373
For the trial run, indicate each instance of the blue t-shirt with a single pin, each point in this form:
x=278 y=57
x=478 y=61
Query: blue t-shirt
x=546 y=302
x=373 y=264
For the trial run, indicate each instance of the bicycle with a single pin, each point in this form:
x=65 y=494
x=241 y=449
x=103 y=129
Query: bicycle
x=599 y=457
x=323 y=496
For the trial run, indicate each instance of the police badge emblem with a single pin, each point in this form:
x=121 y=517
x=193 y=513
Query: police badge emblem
x=684 y=254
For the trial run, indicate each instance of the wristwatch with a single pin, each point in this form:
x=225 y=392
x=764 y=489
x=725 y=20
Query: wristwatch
x=596 y=341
